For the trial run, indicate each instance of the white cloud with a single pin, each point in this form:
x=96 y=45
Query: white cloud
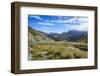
x=37 y=17
x=82 y=26
x=74 y=20
x=46 y=24
x=78 y=20
x=83 y=19
x=59 y=20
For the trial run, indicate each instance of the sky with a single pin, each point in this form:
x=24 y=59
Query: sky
x=57 y=24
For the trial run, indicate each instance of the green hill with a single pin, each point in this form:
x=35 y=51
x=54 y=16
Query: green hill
x=37 y=37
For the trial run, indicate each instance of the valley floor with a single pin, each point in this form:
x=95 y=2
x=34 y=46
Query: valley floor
x=58 y=50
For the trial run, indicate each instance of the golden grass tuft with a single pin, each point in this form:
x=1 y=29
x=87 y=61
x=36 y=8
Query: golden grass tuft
x=56 y=51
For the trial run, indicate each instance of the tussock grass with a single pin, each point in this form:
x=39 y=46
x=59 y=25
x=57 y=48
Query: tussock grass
x=56 y=51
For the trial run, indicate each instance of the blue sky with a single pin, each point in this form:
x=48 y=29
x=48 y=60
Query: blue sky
x=57 y=24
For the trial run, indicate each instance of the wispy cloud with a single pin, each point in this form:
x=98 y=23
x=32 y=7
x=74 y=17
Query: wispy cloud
x=36 y=17
x=46 y=24
x=72 y=21
x=78 y=23
x=58 y=23
x=83 y=27
x=60 y=19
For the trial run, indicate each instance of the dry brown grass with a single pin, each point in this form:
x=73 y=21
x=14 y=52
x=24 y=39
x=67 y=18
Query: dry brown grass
x=56 y=51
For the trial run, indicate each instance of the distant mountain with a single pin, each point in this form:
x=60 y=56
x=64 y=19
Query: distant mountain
x=54 y=36
x=36 y=36
x=72 y=35
x=75 y=35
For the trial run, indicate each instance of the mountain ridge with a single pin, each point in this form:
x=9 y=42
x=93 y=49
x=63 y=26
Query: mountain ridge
x=36 y=36
x=71 y=35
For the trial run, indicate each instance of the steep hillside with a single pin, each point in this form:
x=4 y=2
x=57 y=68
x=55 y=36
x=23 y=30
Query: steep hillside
x=36 y=36
x=75 y=35
x=84 y=39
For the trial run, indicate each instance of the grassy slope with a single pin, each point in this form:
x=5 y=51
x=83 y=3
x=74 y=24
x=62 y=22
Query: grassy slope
x=37 y=36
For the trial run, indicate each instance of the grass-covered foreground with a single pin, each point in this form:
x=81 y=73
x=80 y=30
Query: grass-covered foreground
x=70 y=50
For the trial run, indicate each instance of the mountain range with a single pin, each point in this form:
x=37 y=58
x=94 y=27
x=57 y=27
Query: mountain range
x=70 y=36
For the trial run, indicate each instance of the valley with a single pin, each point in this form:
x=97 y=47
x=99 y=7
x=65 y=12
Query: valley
x=70 y=45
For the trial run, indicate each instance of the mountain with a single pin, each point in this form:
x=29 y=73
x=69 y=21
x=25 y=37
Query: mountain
x=75 y=35
x=36 y=36
x=72 y=35
x=54 y=36
x=83 y=39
